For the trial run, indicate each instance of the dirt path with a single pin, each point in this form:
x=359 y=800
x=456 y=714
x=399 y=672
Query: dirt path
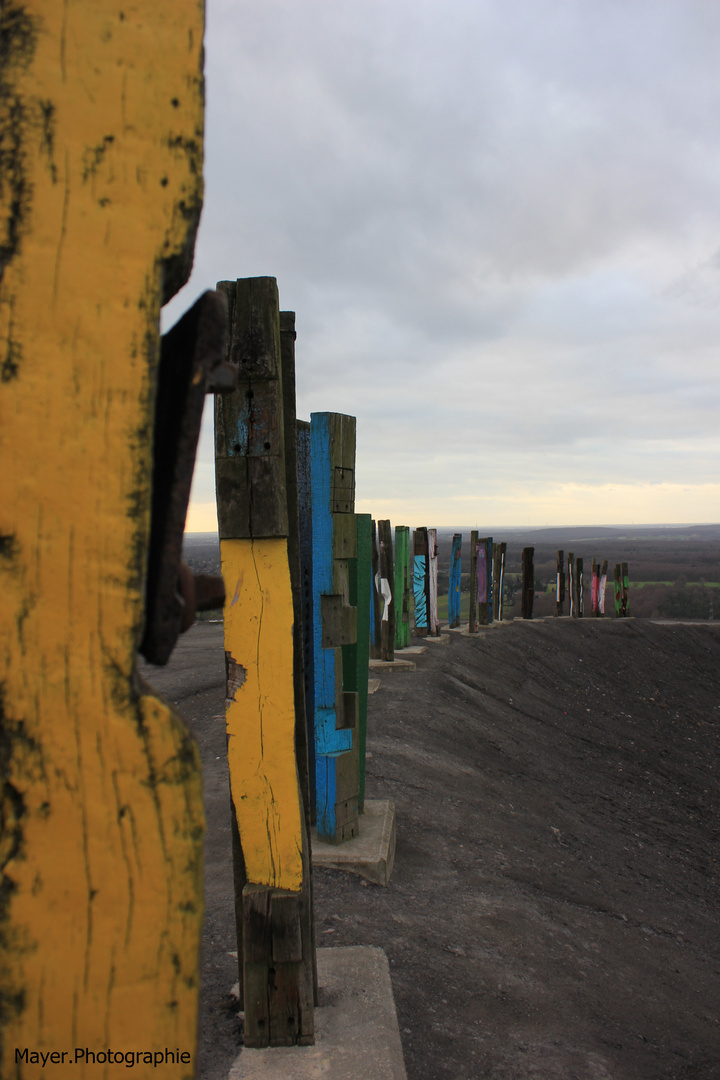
x=554 y=910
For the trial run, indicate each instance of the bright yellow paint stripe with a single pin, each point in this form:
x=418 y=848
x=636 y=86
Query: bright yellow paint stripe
x=261 y=715
x=103 y=803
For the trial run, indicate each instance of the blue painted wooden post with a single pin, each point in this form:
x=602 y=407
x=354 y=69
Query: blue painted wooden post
x=332 y=457
x=455 y=581
x=420 y=568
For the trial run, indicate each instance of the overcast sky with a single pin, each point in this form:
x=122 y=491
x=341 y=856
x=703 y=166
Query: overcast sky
x=498 y=222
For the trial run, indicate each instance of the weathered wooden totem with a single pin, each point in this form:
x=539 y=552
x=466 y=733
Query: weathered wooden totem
x=255 y=463
x=356 y=657
x=455 y=581
x=334 y=530
x=101 y=136
x=594 y=589
x=420 y=573
x=499 y=555
x=560 y=583
x=571 y=585
x=528 y=582
x=625 y=602
x=480 y=581
x=432 y=583
x=375 y=601
x=385 y=587
x=580 y=587
x=402 y=586
x=602 y=586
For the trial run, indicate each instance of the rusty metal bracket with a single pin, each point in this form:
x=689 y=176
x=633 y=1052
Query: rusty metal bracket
x=191 y=365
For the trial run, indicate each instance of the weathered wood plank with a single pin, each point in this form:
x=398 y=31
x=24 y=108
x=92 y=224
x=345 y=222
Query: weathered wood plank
x=332 y=440
x=455 y=581
x=387 y=582
x=579 y=567
x=360 y=582
x=103 y=819
x=602 y=586
x=625 y=589
x=401 y=591
x=560 y=583
x=375 y=606
x=483 y=580
x=473 y=616
x=528 y=581
x=420 y=567
x=571 y=584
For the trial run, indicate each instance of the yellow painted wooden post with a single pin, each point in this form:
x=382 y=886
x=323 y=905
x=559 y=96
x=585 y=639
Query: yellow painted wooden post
x=101 y=129
x=271 y=850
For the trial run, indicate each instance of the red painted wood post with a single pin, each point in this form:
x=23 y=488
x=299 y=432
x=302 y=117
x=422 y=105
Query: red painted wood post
x=594 y=589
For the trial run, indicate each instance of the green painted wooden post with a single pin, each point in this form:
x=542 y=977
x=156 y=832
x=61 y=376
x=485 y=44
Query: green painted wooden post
x=402 y=598
x=625 y=589
x=617 y=584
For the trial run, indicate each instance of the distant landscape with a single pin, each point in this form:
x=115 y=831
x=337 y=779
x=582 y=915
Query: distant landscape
x=674 y=570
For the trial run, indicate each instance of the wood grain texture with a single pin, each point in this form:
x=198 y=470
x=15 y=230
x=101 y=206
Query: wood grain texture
x=260 y=716
x=249 y=435
x=102 y=844
x=432 y=583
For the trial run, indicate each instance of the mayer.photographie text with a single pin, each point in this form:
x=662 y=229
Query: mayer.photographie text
x=129 y=1058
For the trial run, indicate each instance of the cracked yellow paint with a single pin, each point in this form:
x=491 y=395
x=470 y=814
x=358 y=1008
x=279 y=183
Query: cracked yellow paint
x=261 y=715
x=101 y=116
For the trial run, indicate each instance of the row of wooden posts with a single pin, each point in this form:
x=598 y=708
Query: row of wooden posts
x=296 y=555
x=569 y=580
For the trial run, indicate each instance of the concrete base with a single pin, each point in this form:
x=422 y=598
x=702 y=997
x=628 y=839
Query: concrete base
x=432 y=640
x=356 y=1027
x=392 y=665
x=372 y=853
x=373 y=685
x=415 y=650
